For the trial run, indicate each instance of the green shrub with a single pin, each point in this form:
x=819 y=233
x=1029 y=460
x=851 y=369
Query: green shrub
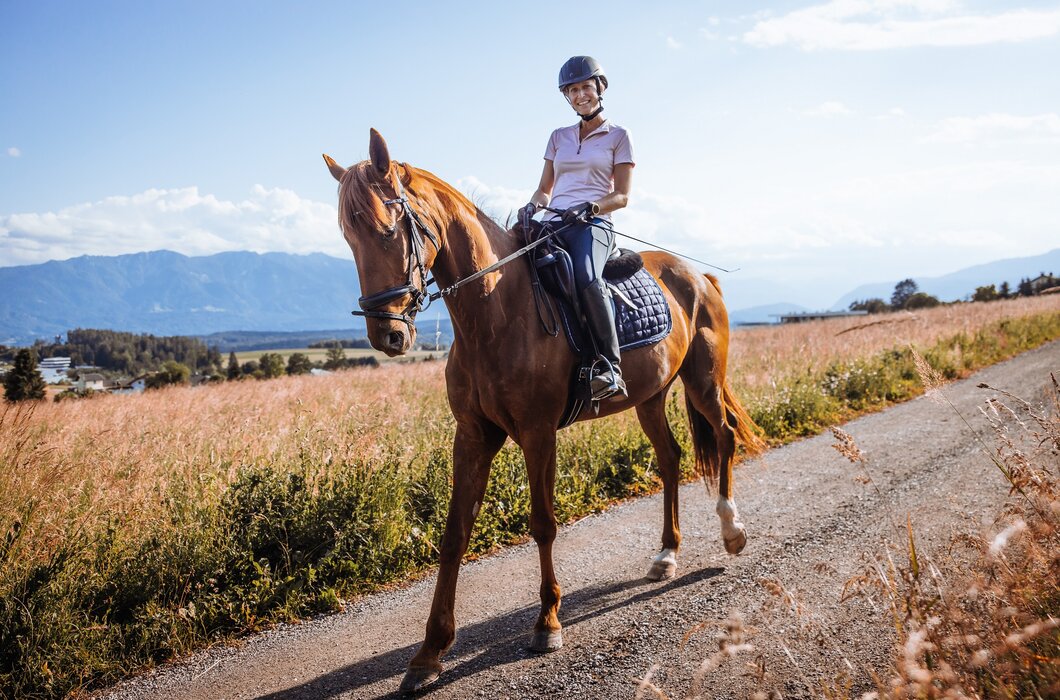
x=288 y=539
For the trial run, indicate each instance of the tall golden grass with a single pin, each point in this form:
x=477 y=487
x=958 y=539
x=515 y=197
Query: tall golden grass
x=227 y=484
x=763 y=356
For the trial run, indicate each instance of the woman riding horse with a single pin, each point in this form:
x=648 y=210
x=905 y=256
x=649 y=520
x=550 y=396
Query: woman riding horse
x=506 y=377
x=588 y=173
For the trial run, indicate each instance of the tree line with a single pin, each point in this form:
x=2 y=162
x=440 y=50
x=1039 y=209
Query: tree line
x=907 y=295
x=24 y=381
x=271 y=364
x=126 y=353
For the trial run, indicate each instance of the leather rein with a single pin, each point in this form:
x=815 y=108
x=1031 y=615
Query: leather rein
x=416 y=262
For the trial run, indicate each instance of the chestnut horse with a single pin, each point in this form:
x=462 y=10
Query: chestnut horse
x=506 y=377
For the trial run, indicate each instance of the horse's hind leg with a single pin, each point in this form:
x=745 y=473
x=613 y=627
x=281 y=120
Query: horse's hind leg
x=715 y=445
x=652 y=415
x=476 y=443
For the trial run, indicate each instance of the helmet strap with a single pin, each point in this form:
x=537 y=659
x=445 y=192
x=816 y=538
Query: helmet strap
x=590 y=117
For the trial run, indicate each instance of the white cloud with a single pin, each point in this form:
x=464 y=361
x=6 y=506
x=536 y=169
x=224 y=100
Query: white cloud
x=867 y=25
x=182 y=220
x=14 y=152
x=1040 y=128
x=674 y=44
x=498 y=202
x=893 y=113
x=829 y=109
x=709 y=34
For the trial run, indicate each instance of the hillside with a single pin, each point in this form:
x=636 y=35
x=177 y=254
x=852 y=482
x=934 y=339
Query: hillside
x=962 y=283
x=240 y=294
x=167 y=293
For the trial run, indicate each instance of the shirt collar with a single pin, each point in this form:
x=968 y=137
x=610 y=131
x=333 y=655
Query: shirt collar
x=602 y=129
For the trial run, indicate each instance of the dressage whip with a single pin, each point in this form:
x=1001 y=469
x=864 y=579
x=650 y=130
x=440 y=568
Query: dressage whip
x=527 y=248
x=672 y=252
x=648 y=243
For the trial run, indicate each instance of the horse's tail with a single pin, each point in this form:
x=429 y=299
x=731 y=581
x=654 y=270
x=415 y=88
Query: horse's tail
x=705 y=443
x=741 y=422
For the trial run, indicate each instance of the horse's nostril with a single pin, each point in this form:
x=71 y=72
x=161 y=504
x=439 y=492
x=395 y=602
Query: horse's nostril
x=395 y=340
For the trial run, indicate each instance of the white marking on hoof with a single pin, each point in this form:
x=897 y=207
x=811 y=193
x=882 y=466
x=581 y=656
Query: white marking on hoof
x=664 y=566
x=545 y=641
x=732 y=531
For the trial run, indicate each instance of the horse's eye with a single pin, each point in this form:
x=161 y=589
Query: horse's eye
x=390 y=231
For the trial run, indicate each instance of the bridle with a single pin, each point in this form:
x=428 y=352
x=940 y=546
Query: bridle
x=416 y=262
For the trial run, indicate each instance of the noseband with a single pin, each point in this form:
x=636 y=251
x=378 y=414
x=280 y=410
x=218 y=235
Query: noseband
x=416 y=262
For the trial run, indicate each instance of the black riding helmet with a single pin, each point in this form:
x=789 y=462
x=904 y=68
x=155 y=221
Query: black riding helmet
x=579 y=68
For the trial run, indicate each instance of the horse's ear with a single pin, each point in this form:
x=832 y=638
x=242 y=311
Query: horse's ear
x=337 y=171
x=379 y=153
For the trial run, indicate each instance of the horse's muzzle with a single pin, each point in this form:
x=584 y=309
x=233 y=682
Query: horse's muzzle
x=392 y=338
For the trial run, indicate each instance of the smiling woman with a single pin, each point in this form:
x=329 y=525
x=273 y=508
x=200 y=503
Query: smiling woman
x=587 y=174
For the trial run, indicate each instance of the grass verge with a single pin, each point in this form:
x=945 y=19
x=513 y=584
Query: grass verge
x=97 y=581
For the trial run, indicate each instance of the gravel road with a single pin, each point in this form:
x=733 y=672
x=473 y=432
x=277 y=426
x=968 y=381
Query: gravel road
x=811 y=525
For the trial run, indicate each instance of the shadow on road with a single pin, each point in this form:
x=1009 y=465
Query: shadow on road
x=487 y=644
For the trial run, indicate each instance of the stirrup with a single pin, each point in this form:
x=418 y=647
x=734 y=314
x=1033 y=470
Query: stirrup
x=606 y=382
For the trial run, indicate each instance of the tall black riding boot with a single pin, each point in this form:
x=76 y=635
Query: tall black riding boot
x=600 y=315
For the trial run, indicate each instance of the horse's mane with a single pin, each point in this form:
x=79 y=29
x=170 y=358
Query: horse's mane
x=360 y=194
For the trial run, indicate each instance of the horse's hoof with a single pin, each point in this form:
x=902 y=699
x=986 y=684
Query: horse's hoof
x=419 y=677
x=736 y=543
x=545 y=641
x=663 y=567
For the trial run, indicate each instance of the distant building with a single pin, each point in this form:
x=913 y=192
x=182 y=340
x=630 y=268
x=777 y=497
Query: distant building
x=1043 y=284
x=95 y=382
x=131 y=386
x=800 y=316
x=54 y=369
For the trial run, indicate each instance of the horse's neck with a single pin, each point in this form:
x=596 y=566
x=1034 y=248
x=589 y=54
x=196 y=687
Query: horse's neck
x=472 y=243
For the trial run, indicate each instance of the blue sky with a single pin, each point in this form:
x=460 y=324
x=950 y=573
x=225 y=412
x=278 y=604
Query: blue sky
x=817 y=145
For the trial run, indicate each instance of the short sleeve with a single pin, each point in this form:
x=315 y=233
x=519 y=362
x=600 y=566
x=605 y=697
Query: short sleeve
x=624 y=149
x=553 y=146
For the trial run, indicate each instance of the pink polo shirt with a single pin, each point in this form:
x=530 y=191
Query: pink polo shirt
x=585 y=170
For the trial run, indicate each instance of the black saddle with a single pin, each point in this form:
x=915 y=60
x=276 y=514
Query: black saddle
x=642 y=315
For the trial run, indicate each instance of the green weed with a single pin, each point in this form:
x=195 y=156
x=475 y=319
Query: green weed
x=230 y=542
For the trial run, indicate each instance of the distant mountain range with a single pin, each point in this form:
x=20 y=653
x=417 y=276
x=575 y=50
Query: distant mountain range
x=962 y=283
x=167 y=293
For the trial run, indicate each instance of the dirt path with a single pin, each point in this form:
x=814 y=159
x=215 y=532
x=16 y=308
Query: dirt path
x=811 y=526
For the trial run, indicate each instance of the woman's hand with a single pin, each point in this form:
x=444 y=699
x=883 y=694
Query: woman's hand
x=580 y=212
x=526 y=214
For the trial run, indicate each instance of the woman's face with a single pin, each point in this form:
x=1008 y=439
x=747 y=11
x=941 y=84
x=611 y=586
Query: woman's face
x=582 y=96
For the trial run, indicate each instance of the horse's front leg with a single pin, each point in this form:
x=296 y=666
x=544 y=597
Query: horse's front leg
x=476 y=443
x=540 y=453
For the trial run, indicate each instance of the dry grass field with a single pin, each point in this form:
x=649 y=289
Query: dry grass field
x=321 y=354
x=134 y=528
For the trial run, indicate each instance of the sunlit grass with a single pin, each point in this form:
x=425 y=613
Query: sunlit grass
x=134 y=528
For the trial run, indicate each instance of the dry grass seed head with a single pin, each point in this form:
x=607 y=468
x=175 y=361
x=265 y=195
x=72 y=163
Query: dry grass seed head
x=644 y=685
x=930 y=378
x=846 y=446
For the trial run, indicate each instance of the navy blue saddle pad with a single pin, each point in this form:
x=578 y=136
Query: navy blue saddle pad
x=646 y=324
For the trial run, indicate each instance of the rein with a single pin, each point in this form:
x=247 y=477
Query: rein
x=369 y=304
x=416 y=262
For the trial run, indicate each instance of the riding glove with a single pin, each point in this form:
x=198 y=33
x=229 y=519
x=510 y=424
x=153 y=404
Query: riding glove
x=580 y=212
x=526 y=214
